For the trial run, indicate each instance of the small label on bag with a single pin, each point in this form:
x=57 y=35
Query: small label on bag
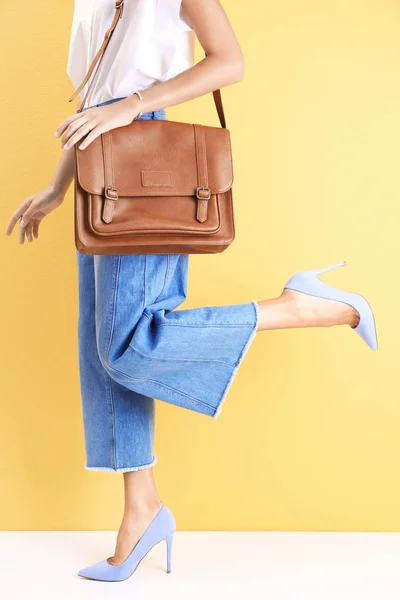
x=156 y=178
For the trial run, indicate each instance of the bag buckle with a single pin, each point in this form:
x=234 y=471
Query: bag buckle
x=111 y=193
x=203 y=193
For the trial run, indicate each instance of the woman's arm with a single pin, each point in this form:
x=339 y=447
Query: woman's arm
x=223 y=65
x=64 y=173
x=33 y=210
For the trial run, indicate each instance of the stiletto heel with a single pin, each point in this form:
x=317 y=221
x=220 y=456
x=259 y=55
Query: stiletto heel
x=308 y=282
x=161 y=528
x=326 y=269
x=169 y=552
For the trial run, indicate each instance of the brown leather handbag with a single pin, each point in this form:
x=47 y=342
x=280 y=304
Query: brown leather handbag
x=154 y=186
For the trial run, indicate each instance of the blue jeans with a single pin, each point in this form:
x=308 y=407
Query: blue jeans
x=134 y=347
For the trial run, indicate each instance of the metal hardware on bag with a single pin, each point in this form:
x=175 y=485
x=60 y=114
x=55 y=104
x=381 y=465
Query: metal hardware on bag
x=113 y=190
x=111 y=194
x=205 y=189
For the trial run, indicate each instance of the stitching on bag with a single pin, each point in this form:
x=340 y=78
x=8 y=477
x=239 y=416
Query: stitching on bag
x=139 y=233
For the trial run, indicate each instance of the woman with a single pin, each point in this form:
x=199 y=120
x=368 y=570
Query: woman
x=133 y=345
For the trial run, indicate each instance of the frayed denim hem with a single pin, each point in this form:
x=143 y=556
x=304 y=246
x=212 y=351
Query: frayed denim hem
x=241 y=357
x=122 y=469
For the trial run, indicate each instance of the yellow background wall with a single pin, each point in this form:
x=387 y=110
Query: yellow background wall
x=309 y=436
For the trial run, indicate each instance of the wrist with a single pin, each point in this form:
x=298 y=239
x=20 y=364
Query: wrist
x=57 y=190
x=135 y=105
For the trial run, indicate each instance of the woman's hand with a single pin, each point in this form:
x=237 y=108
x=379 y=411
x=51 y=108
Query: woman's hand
x=92 y=122
x=32 y=211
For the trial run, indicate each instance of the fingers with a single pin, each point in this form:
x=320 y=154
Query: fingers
x=75 y=131
x=28 y=215
x=28 y=231
x=28 y=225
x=80 y=133
x=92 y=136
x=36 y=224
x=25 y=229
x=17 y=215
x=63 y=126
x=78 y=126
x=21 y=232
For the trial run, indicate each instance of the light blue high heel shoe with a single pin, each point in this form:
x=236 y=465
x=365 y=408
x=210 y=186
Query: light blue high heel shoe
x=161 y=528
x=308 y=282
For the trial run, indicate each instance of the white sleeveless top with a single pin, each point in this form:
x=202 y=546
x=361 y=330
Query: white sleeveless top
x=152 y=42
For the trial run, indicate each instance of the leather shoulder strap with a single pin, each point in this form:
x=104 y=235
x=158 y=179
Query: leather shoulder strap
x=119 y=5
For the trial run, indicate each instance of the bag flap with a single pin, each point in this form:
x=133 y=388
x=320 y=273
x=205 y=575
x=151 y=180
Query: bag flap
x=156 y=158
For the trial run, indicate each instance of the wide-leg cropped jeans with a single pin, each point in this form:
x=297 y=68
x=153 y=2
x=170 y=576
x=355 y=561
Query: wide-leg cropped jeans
x=135 y=347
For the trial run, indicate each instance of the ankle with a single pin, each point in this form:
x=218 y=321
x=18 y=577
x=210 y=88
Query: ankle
x=277 y=313
x=142 y=507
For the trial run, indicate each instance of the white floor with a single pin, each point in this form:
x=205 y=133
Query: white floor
x=206 y=565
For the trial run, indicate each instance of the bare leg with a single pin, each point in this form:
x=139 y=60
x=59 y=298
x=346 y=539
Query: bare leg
x=142 y=503
x=295 y=309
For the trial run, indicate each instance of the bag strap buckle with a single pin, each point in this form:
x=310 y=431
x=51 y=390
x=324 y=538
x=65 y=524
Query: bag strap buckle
x=111 y=193
x=203 y=193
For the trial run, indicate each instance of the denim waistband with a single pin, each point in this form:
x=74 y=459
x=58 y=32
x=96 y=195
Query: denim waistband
x=156 y=114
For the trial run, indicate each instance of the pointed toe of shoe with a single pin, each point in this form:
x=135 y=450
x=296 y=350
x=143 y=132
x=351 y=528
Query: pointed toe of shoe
x=371 y=340
x=366 y=328
x=92 y=571
x=368 y=334
x=102 y=571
